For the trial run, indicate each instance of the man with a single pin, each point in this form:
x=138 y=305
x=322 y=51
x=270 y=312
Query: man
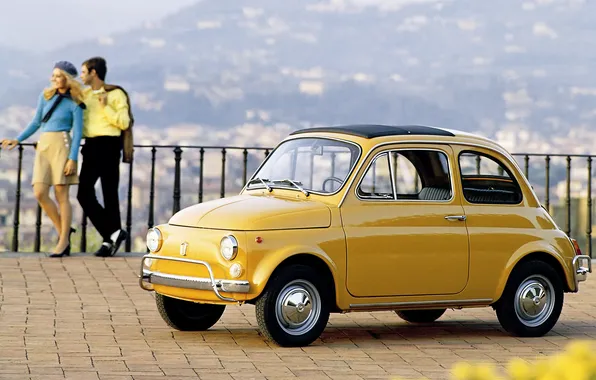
x=105 y=117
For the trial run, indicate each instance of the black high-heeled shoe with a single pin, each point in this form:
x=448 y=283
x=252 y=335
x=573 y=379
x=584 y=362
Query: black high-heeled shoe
x=66 y=251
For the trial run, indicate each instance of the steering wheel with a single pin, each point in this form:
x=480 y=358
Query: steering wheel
x=338 y=180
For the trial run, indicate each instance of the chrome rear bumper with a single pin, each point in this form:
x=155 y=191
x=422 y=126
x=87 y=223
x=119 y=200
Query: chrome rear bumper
x=582 y=265
x=188 y=282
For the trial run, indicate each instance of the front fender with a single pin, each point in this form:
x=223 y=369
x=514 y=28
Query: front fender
x=327 y=245
x=537 y=249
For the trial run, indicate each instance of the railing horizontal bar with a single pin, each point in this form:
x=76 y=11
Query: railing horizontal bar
x=269 y=149
x=553 y=155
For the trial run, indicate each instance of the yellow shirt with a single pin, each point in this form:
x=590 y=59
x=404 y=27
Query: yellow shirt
x=108 y=120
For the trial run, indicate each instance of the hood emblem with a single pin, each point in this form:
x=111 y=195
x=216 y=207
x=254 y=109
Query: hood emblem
x=183 y=248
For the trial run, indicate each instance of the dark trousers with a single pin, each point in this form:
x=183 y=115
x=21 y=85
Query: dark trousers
x=101 y=160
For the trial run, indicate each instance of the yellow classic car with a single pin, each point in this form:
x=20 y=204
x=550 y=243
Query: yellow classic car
x=340 y=219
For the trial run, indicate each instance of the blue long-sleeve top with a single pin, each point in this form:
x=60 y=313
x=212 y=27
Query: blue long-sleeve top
x=67 y=115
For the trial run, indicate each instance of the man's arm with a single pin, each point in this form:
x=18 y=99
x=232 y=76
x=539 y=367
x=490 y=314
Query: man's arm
x=116 y=109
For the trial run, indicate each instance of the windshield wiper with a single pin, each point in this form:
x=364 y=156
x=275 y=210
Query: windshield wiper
x=293 y=183
x=263 y=181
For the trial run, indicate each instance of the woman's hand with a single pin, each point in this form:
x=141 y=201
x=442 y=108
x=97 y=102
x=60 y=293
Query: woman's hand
x=70 y=168
x=10 y=144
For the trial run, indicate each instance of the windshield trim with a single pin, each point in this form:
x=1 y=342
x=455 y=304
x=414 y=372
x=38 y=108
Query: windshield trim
x=305 y=136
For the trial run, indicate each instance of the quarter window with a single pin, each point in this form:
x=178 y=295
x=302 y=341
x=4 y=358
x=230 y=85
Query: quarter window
x=485 y=180
x=377 y=180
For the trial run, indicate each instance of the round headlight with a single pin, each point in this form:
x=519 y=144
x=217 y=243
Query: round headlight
x=229 y=247
x=154 y=239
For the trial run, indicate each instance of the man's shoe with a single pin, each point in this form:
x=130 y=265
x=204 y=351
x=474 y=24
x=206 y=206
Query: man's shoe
x=117 y=237
x=105 y=250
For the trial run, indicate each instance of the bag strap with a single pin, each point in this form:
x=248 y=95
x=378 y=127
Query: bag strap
x=51 y=111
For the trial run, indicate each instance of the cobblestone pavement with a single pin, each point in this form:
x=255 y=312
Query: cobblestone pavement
x=87 y=318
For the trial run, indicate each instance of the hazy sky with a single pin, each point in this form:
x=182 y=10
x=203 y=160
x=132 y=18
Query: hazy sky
x=47 y=24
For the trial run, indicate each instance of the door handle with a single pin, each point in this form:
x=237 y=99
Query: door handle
x=461 y=218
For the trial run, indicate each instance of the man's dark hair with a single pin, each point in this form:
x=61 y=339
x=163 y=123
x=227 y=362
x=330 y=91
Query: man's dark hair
x=99 y=65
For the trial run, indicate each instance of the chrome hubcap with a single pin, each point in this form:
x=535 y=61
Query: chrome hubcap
x=534 y=301
x=298 y=307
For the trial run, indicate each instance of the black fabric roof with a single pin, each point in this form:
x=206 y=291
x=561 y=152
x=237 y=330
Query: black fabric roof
x=371 y=130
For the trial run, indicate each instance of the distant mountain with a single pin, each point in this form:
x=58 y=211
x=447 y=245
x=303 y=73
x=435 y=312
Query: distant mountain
x=465 y=64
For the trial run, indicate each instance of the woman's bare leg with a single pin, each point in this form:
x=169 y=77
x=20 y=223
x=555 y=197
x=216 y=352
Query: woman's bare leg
x=42 y=194
x=62 y=192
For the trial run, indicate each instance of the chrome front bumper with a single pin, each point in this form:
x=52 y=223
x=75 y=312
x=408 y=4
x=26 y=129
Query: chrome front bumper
x=582 y=265
x=188 y=282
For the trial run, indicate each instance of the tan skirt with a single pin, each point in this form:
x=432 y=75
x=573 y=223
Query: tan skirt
x=51 y=156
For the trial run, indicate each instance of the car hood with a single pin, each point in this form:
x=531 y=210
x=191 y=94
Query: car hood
x=255 y=213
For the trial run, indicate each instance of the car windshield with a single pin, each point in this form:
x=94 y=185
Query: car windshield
x=316 y=165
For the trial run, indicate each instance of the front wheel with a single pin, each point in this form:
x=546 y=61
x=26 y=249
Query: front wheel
x=532 y=300
x=294 y=309
x=420 y=316
x=186 y=315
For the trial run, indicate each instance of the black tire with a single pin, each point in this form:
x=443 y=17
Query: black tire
x=186 y=315
x=306 y=292
x=535 y=316
x=420 y=316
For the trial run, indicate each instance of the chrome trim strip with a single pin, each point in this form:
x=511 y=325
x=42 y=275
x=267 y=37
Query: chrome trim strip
x=580 y=272
x=188 y=282
x=306 y=136
x=422 y=303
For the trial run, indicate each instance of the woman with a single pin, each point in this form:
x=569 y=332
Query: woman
x=59 y=109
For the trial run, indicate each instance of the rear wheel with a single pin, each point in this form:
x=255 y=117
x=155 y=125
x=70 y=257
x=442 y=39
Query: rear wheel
x=294 y=308
x=532 y=300
x=186 y=315
x=420 y=316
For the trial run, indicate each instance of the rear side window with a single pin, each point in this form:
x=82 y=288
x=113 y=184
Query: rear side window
x=485 y=180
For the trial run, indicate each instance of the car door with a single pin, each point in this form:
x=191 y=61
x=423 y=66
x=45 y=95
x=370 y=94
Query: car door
x=405 y=226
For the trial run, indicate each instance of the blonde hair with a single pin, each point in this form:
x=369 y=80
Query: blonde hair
x=76 y=91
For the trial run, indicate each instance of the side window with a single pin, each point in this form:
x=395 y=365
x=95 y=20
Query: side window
x=422 y=175
x=417 y=175
x=486 y=181
x=376 y=183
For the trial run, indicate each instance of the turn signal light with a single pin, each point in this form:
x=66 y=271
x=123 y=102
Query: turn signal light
x=578 y=250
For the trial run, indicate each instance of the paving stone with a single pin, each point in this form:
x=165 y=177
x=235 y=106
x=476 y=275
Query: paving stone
x=86 y=318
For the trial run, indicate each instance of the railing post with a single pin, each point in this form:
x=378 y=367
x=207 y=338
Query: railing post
x=177 y=158
x=151 y=221
x=222 y=192
x=129 y=209
x=547 y=184
x=266 y=153
x=17 y=208
x=478 y=164
x=568 y=201
x=245 y=166
x=37 y=244
x=527 y=166
x=83 y=247
x=201 y=161
x=589 y=221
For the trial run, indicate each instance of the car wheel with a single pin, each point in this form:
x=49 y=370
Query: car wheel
x=186 y=315
x=420 y=316
x=532 y=300
x=294 y=308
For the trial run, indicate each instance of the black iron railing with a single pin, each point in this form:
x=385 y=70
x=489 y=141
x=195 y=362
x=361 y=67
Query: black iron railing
x=178 y=151
x=537 y=168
